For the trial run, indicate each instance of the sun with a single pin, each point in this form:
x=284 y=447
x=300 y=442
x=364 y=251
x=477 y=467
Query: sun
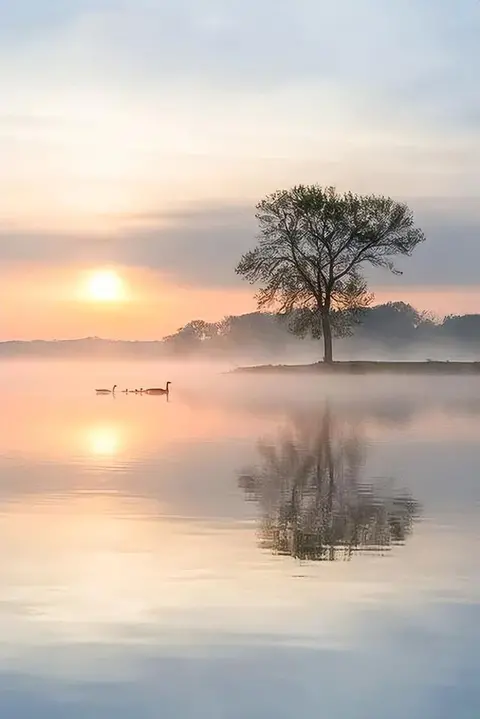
x=105 y=286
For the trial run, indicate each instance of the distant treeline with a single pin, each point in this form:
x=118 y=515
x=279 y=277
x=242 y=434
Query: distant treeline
x=393 y=328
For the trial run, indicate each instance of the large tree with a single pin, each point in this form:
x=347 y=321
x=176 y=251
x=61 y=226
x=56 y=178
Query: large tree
x=312 y=245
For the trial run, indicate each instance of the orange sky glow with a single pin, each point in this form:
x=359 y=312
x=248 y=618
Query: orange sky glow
x=53 y=304
x=56 y=303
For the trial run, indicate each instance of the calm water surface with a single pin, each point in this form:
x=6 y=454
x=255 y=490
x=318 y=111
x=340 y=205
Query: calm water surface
x=251 y=548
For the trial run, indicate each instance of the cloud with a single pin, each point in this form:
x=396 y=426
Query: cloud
x=201 y=245
x=50 y=248
x=451 y=253
x=204 y=246
x=393 y=60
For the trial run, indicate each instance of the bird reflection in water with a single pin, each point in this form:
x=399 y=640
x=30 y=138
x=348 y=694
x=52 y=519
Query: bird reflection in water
x=313 y=503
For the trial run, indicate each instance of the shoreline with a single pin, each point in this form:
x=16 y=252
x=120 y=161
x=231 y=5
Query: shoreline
x=361 y=367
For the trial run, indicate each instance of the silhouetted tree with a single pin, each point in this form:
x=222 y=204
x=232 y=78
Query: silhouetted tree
x=394 y=322
x=191 y=336
x=464 y=328
x=256 y=330
x=313 y=502
x=312 y=245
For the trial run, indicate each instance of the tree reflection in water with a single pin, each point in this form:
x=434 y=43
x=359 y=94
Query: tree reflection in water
x=313 y=503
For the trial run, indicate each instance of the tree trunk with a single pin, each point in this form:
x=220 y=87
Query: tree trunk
x=327 y=337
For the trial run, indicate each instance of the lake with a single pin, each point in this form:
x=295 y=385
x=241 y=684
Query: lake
x=252 y=547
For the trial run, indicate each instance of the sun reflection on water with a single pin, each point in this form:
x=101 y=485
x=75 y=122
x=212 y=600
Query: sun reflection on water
x=104 y=441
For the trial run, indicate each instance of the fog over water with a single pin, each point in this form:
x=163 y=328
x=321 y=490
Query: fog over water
x=250 y=546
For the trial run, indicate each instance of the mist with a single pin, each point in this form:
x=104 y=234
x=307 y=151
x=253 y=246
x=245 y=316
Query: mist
x=390 y=332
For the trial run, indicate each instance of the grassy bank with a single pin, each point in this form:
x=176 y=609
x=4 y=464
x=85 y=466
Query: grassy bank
x=367 y=367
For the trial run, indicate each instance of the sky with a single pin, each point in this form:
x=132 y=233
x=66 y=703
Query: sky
x=136 y=137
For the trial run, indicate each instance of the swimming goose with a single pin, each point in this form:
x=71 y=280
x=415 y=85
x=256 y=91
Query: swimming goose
x=158 y=390
x=107 y=391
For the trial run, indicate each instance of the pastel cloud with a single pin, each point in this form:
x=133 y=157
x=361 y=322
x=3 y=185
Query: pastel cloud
x=200 y=245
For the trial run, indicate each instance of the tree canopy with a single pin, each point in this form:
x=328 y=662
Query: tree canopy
x=313 y=243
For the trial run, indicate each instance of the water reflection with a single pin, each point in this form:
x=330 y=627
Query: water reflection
x=104 y=440
x=131 y=580
x=314 y=502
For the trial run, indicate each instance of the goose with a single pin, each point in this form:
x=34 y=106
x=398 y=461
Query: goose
x=107 y=391
x=158 y=390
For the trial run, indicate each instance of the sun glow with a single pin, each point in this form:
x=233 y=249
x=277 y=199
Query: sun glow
x=105 y=286
x=104 y=441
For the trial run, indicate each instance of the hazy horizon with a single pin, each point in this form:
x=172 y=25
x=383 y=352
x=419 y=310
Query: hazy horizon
x=216 y=318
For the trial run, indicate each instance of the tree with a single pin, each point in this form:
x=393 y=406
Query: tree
x=393 y=322
x=312 y=245
x=465 y=328
x=259 y=331
x=191 y=336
